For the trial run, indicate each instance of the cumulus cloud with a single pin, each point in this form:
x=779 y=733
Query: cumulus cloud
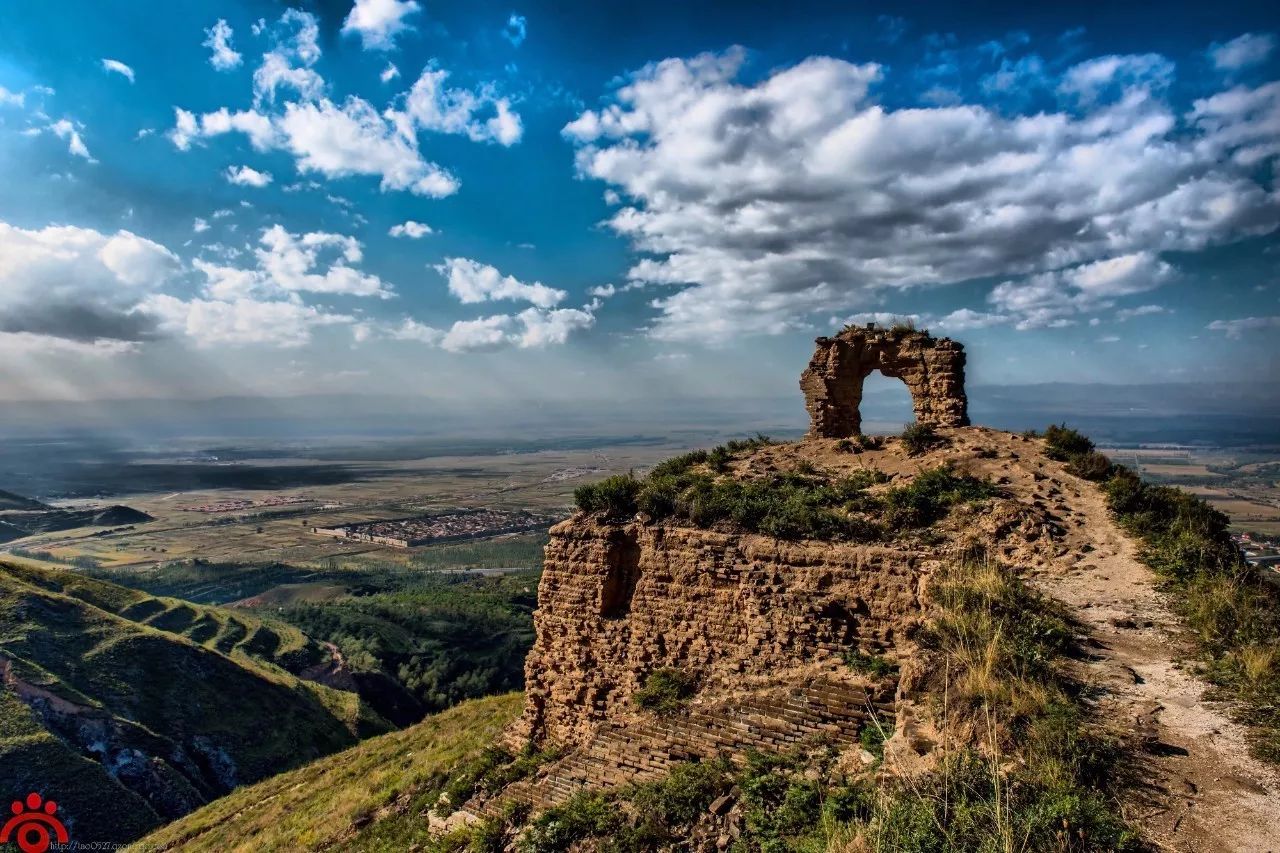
x=79 y=284
x=284 y=323
x=12 y=99
x=223 y=56
x=293 y=262
x=199 y=226
x=389 y=73
x=1053 y=299
x=412 y=230
x=481 y=115
x=115 y=66
x=292 y=112
x=256 y=126
x=288 y=64
x=247 y=176
x=1242 y=51
x=1238 y=328
x=471 y=281
x=760 y=204
x=378 y=22
x=354 y=139
x=533 y=328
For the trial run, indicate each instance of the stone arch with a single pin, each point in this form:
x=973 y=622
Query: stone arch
x=932 y=369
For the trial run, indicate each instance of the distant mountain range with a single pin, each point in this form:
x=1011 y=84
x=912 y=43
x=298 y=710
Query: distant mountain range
x=1249 y=412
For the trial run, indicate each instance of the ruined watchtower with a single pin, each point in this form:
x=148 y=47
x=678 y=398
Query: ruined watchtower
x=932 y=368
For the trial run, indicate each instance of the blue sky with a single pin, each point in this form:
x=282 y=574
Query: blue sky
x=514 y=201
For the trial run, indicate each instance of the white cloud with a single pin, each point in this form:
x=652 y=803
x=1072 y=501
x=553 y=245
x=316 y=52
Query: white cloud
x=1140 y=311
x=761 y=204
x=352 y=137
x=1089 y=79
x=604 y=291
x=292 y=262
x=218 y=39
x=389 y=73
x=471 y=281
x=412 y=330
x=355 y=140
x=1242 y=51
x=13 y=99
x=79 y=284
x=188 y=127
x=283 y=323
x=412 y=230
x=480 y=115
x=1238 y=328
x=964 y=319
x=288 y=65
x=1242 y=124
x=1109 y=339
x=199 y=226
x=378 y=22
x=1054 y=299
x=118 y=67
x=247 y=176
x=516 y=30
x=64 y=129
x=532 y=328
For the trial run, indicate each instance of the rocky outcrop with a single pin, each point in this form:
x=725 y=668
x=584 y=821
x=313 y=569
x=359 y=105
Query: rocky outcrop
x=932 y=368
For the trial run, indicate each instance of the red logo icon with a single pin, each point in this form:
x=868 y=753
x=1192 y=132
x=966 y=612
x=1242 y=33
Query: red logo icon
x=31 y=824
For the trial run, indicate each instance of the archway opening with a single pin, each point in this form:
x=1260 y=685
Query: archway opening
x=886 y=404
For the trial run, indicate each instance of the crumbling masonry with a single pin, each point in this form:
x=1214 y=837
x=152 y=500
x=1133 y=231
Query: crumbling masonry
x=932 y=368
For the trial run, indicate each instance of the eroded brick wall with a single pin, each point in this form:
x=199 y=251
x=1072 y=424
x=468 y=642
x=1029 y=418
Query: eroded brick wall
x=619 y=601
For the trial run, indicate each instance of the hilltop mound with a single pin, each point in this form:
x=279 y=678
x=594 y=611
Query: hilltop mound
x=136 y=710
x=20 y=517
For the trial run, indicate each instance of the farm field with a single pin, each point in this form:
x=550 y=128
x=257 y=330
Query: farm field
x=274 y=525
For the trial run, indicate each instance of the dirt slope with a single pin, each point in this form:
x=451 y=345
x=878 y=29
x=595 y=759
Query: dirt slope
x=1200 y=789
x=1206 y=792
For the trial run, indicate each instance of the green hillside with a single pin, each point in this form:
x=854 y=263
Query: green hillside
x=373 y=796
x=130 y=710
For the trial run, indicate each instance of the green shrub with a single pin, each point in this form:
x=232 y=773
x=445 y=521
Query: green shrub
x=665 y=691
x=876 y=666
x=1090 y=465
x=683 y=795
x=1062 y=442
x=928 y=497
x=587 y=814
x=614 y=496
x=873 y=736
x=918 y=437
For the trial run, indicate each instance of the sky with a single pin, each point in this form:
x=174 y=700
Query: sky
x=594 y=200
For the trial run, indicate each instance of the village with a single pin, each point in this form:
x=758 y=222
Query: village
x=441 y=527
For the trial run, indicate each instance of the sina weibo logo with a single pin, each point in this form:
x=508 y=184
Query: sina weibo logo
x=32 y=824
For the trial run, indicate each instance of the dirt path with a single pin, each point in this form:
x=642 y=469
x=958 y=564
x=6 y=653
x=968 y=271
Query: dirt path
x=1202 y=790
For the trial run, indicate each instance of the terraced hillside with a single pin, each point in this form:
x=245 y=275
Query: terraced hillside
x=132 y=710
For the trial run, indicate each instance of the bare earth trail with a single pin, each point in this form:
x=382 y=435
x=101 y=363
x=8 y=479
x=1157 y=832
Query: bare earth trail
x=1203 y=791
